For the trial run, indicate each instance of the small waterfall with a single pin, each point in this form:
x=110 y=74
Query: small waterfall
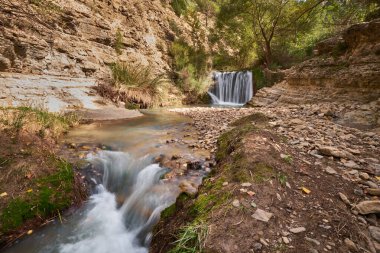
x=232 y=88
x=125 y=209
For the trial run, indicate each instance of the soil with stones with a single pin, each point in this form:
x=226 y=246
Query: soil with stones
x=287 y=179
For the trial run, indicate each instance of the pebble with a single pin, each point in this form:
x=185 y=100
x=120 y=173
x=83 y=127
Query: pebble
x=350 y=244
x=297 y=230
x=312 y=241
x=344 y=198
x=246 y=184
x=257 y=246
x=236 y=203
x=264 y=242
x=285 y=240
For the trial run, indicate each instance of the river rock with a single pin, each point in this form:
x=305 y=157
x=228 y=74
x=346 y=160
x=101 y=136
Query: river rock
x=375 y=232
x=262 y=215
x=368 y=206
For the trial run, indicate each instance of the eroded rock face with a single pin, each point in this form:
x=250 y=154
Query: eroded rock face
x=78 y=38
x=342 y=81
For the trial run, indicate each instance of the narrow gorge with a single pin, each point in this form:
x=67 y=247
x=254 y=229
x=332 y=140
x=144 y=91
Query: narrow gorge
x=186 y=126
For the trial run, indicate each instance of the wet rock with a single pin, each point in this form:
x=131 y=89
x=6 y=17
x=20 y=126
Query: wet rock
x=194 y=165
x=368 y=207
x=297 y=230
x=262 y=215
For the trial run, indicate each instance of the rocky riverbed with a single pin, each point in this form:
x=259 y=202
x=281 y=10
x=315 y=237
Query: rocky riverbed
x=318 y=192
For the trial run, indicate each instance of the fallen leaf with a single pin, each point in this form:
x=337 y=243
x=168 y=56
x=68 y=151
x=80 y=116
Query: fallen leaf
x=305 y=190
x=30 y=190
x=3 y=194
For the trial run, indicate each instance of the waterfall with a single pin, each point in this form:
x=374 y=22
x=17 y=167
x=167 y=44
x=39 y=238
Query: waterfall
x=232 y=88
x=125 y=209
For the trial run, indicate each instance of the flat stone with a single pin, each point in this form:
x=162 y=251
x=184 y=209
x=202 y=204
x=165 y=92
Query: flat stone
x=351 y=165
x=330 y=171
x=333 y=151
x=368 y=206
x=262 y=215
x=297 y=230
x=375 y=232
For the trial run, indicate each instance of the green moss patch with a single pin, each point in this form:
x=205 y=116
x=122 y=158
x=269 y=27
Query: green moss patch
x=48 y=195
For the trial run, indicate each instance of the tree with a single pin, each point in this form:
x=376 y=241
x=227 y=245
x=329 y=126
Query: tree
x=267 y=20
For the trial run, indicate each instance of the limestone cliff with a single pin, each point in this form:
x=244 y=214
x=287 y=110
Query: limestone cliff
x=77 y=38
x=342 y=81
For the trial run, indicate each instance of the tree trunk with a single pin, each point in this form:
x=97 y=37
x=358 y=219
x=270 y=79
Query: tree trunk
x=268 y=54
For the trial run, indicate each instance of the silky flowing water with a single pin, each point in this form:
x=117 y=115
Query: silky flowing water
x=232 y=88
x=128 y=199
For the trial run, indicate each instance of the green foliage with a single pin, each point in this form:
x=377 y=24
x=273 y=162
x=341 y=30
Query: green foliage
x=259 y=78
x=281 y=32
x=191 y=67
x=168 y=212
x=282 y=178
x=50 y=194
x=131 y=75
x=288 y=159
x=119 y=46
x=180 y=7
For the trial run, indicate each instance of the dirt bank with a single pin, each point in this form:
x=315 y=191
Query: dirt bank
x=288 y=179
x=36 y=182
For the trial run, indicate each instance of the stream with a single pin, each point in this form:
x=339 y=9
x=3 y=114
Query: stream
x=131 y=190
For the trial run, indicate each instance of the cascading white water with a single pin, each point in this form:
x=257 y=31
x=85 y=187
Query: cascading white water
x=232 y=88
x=128 y=204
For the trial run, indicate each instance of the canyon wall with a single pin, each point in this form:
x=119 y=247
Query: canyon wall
x=342 y=80
x=80 y=38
